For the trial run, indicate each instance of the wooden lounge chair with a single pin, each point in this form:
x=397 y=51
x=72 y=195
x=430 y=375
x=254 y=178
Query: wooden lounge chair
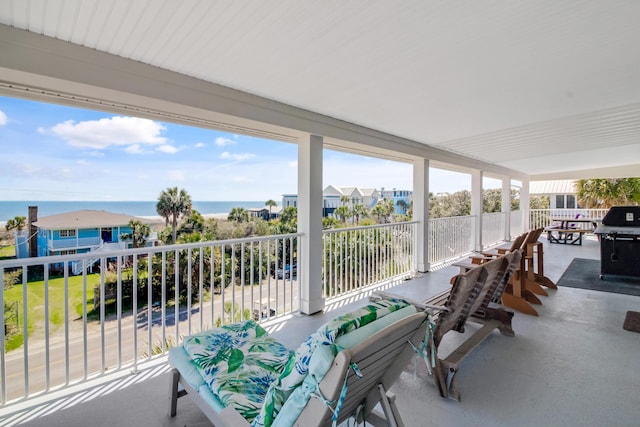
x=472 y=298
x=516 y=244
x=367 y=361
x=529 y=280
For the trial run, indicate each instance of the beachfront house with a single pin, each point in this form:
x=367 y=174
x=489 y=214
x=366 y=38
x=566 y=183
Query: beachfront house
x=86 y=231
x=332 y=198
x=262 y=213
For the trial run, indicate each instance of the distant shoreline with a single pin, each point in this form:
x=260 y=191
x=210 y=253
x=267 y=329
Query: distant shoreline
x=12 y=209
x=220 y=215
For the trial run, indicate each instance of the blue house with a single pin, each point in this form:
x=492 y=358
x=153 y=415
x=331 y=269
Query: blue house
x=86 y=231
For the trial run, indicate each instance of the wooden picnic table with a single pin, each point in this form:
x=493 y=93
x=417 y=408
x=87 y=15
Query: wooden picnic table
x=569 y=231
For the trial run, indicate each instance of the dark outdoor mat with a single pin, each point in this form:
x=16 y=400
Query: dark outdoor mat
x=632 y=321
x=585 y=274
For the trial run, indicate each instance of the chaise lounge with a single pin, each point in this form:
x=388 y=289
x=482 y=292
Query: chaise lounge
x=239 y=376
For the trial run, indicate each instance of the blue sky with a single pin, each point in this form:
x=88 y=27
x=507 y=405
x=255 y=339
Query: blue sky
x=54 y=152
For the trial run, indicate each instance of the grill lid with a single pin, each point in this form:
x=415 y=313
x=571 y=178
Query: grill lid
x=623 y=216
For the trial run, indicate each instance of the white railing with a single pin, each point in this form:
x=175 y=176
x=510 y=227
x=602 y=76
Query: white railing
x=451 y=237
x=361 y=256
x=142 y=301
x=79 y=265
x=516 y=223
x=542 y=217
x=493 y=228
x=67 y=243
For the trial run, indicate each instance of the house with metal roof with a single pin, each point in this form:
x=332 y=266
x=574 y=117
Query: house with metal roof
x=86 y=231
x=561 y=192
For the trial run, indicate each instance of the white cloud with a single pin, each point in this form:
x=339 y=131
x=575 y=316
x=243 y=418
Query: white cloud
x=117 y=130
x=200 y=145
x=222 y=141
x=169 y=149
x=293 y=164
x=238 y=157
x=3 y=118
x=134 y=149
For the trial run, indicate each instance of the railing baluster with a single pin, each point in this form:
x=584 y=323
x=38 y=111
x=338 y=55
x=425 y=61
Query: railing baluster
x=3 y=366
x=85 y=343
x=103 y=267
x=223 y=283
x=149 y=305
x=118 y=310
x=67 y=353
x=163 y=303
x=189 y=285
x=134 y=312
x=242 y=280
x=176 y=297
x=232 y=283
x=201 y=286
x=212 y=283
x=47 y=363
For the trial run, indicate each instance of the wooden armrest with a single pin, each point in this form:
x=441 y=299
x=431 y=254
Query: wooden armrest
x=479 y=259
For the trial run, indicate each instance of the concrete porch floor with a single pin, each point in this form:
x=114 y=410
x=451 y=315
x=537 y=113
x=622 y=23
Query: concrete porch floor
x=572 y=365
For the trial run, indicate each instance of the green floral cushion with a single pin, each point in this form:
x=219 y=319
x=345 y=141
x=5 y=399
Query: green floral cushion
x=238 y=362
x=297 y=368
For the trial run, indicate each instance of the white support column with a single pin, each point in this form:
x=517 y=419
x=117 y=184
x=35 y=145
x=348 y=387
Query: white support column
x=310 y=223
x=506 y=206
x=421 y=213
x=524 y=205
x=476 y=206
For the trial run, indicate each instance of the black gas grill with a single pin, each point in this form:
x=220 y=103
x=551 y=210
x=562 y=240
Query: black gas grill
x=619 y=237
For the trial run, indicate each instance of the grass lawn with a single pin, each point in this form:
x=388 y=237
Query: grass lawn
x=35 y=303
x=7 y=252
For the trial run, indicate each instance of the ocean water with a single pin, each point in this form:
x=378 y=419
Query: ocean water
x=13 y=209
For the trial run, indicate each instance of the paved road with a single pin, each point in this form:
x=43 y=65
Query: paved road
x=120 y=352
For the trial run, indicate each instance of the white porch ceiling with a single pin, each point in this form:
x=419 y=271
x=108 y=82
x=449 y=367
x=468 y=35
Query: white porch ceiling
x=545 y=87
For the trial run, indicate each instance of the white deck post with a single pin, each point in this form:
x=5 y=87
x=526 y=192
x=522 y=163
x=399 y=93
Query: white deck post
x=310 y=223
x=506 y=206
x=524 y=205
x=421 y=213
x=476 y=206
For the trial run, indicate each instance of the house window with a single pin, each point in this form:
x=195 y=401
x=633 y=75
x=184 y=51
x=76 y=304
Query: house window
x=560 y=201
x=571 y=201
x=68 y=252
x=67 y=233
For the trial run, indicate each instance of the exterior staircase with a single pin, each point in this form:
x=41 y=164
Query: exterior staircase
x=77 y=266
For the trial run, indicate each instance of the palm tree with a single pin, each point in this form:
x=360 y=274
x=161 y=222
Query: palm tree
x=17 y=223
x=172 y=204
x=343 y=212
x=388 y=208
x=238 y=215
x=360 y=210
x=378 y=211
x=403 y=205
x=271 y=203
x=605 y=193
x=344 y=199
x=139 y=233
